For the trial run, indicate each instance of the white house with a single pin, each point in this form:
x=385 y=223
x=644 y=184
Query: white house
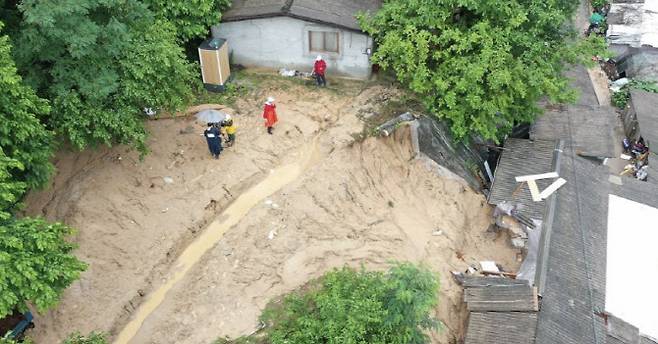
x=291 y=33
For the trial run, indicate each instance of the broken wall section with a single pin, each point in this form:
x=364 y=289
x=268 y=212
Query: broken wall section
x=433 y=142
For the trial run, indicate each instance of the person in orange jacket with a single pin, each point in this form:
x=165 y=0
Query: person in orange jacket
x=269 y=113
x=319 y=68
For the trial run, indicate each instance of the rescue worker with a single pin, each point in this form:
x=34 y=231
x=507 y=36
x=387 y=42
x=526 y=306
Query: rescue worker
x=319 y=69
x=269 y=114
x=229 y=130
x=213 y=139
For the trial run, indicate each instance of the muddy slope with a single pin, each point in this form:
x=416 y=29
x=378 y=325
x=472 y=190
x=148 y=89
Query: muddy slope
x=356 y=203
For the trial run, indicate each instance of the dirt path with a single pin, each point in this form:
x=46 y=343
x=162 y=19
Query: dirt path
x=357 y=203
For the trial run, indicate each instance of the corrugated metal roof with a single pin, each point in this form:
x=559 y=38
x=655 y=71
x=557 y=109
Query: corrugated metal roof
x=589 y=128
x=622 y=331
x=633 y=23
x=470 y=281
x=508 y=298
x=574 y=259
x=522 y=157
x=501 y=328
x=575 y=274
x=339 y=13
x=645 y=105
x=646 y=340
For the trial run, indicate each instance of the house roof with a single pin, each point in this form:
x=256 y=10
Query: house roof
x=645 y=105
x=339 y=13
x=501 y=327
x=571 y=265
x=586 y=124
x=522 y=157
x=589 y=128
x=574 y=274
x=634 y=23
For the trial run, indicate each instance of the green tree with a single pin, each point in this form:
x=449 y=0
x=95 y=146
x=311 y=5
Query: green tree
x=481 y=64
x=100 y=62
x=92 y=338
x=349 y=306
x=23 y=139
x=192 y=18
x=11 y=190
x=36 y=264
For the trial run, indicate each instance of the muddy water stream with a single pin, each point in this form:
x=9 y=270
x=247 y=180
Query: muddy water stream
x=231 y=216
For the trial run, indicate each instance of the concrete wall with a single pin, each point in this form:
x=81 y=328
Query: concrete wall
x=283 y=42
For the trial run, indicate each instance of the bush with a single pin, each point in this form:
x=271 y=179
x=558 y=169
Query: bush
x=621 y=97
x=350 y=306
x=596 y=4
x=36 y=264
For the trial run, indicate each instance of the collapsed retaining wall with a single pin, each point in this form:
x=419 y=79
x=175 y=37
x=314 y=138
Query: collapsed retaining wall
x=433 y=142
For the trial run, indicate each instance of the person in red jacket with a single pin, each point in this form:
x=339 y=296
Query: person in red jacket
x=318 y=70
x=269 y=113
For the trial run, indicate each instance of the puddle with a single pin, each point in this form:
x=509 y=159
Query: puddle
x=231 y=216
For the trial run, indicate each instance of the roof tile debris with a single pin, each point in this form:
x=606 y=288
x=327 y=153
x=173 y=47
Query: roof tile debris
x=522 y=157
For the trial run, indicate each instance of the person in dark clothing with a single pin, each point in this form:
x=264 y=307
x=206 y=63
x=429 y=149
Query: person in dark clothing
x=214 y=140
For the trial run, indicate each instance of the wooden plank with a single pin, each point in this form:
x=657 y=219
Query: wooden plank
x=536 y=176
x=518 y=188
x=552 y=188
x=534 y=190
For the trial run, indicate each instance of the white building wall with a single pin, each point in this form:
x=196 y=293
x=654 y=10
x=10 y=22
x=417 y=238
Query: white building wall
x=283 y=42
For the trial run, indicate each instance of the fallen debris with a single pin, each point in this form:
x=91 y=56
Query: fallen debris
x=534 y=177
x=552 y=188
x=489 y=266
x=505 y=298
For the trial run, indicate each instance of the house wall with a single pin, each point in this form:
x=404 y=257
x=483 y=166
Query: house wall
x=283 y=42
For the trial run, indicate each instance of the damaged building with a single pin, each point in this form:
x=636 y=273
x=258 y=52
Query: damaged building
x=591 y=267
x=633 y=37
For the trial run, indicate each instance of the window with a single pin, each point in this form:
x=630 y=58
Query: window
x=323 y=42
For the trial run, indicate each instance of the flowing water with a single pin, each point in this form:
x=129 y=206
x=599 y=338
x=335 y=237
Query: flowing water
x=231 y=216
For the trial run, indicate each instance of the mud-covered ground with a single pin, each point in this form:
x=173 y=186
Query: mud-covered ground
x=353 y=202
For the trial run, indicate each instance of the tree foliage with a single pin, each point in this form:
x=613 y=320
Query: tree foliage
x=481 y=64
x=349 y=306
x=192 y=18
x=100 y=62
x=36 y=264
x=11 y=190
x=25 y=144
x=35 y=259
